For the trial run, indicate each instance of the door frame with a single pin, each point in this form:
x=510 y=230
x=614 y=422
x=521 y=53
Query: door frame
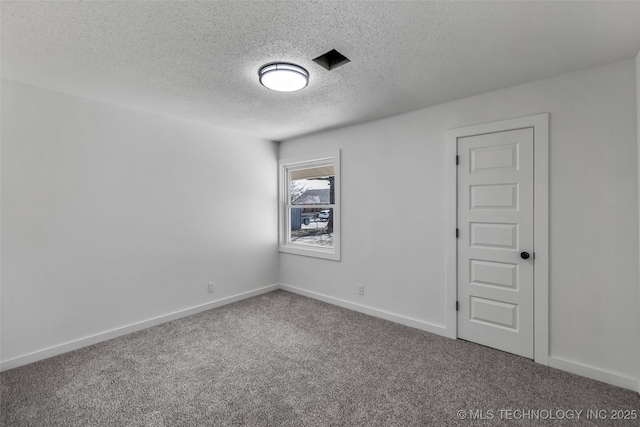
x=540 y=125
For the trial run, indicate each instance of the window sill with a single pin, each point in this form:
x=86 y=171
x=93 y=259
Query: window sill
x=313 y=252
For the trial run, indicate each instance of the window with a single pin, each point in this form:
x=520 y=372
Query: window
x=310 y=206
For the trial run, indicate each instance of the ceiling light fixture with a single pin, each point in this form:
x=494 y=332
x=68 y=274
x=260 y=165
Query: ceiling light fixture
x=284 y=77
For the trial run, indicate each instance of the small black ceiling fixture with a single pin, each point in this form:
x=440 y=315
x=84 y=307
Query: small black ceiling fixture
x=332 y=59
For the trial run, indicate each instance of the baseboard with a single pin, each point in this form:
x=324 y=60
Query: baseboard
x=594 y=373
x=554 y=362
x=134 y=327
x=407 y=321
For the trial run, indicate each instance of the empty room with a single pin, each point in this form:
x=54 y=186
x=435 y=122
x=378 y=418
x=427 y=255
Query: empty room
x=319 y=213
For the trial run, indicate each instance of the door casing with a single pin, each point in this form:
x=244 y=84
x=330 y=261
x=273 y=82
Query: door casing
x=540 y=125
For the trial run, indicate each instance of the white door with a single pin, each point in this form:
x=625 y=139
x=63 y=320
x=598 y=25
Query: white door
x=495 y=241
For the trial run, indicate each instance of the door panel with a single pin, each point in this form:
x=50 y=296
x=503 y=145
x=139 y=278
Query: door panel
x=491 y=235
x=496 y=196
x=494 y=313
x=490 y=158
x=500 y=274
x=495 y=220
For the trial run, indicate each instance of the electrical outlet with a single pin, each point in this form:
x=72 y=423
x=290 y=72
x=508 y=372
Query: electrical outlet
x=211 y=285
x=360 y=289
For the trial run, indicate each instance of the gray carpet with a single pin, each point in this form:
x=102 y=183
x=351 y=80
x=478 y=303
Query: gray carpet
x=280 y=359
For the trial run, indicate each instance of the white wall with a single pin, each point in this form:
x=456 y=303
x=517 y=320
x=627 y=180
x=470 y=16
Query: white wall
x=113 y=216
x=638 y=135
x=393 y=214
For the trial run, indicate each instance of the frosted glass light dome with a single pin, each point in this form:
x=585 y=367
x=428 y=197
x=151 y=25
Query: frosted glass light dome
x=284 y=77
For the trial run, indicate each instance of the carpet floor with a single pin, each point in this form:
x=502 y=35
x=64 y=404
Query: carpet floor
x=280 y=359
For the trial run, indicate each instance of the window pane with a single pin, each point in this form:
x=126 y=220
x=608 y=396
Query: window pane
x=309 y=208
x=311 y=226
x=313 y=186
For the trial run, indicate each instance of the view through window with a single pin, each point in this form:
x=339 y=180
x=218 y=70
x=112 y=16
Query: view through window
x=312 y=193
x=310 y=213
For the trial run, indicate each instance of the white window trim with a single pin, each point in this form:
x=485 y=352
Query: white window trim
x=284 y=165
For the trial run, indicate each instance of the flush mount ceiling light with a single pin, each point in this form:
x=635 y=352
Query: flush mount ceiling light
x=283 y=77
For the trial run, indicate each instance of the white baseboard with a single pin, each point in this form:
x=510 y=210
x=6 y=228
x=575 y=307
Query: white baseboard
x=407 y=321
x=594 y=373
x=554 y=362
x=114 y=333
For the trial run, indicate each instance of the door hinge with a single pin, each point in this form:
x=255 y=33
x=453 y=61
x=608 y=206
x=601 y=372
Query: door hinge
x=457 y=233
x=457 y=306
x=457 y=160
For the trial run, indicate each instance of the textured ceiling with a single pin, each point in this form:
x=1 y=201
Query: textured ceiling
x=199 y=60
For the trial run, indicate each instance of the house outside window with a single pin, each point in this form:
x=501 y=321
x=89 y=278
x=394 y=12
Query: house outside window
x=310 y=206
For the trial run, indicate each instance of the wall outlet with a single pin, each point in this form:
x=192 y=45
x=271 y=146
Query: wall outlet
x=211 y=286
x=360 y=289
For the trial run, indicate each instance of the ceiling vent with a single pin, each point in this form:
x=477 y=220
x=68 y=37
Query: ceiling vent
x=332 y=59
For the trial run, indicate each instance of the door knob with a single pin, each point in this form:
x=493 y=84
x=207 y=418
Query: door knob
x=524 y=255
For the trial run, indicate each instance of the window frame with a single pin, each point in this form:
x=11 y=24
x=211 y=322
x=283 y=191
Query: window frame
x=285 y=166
